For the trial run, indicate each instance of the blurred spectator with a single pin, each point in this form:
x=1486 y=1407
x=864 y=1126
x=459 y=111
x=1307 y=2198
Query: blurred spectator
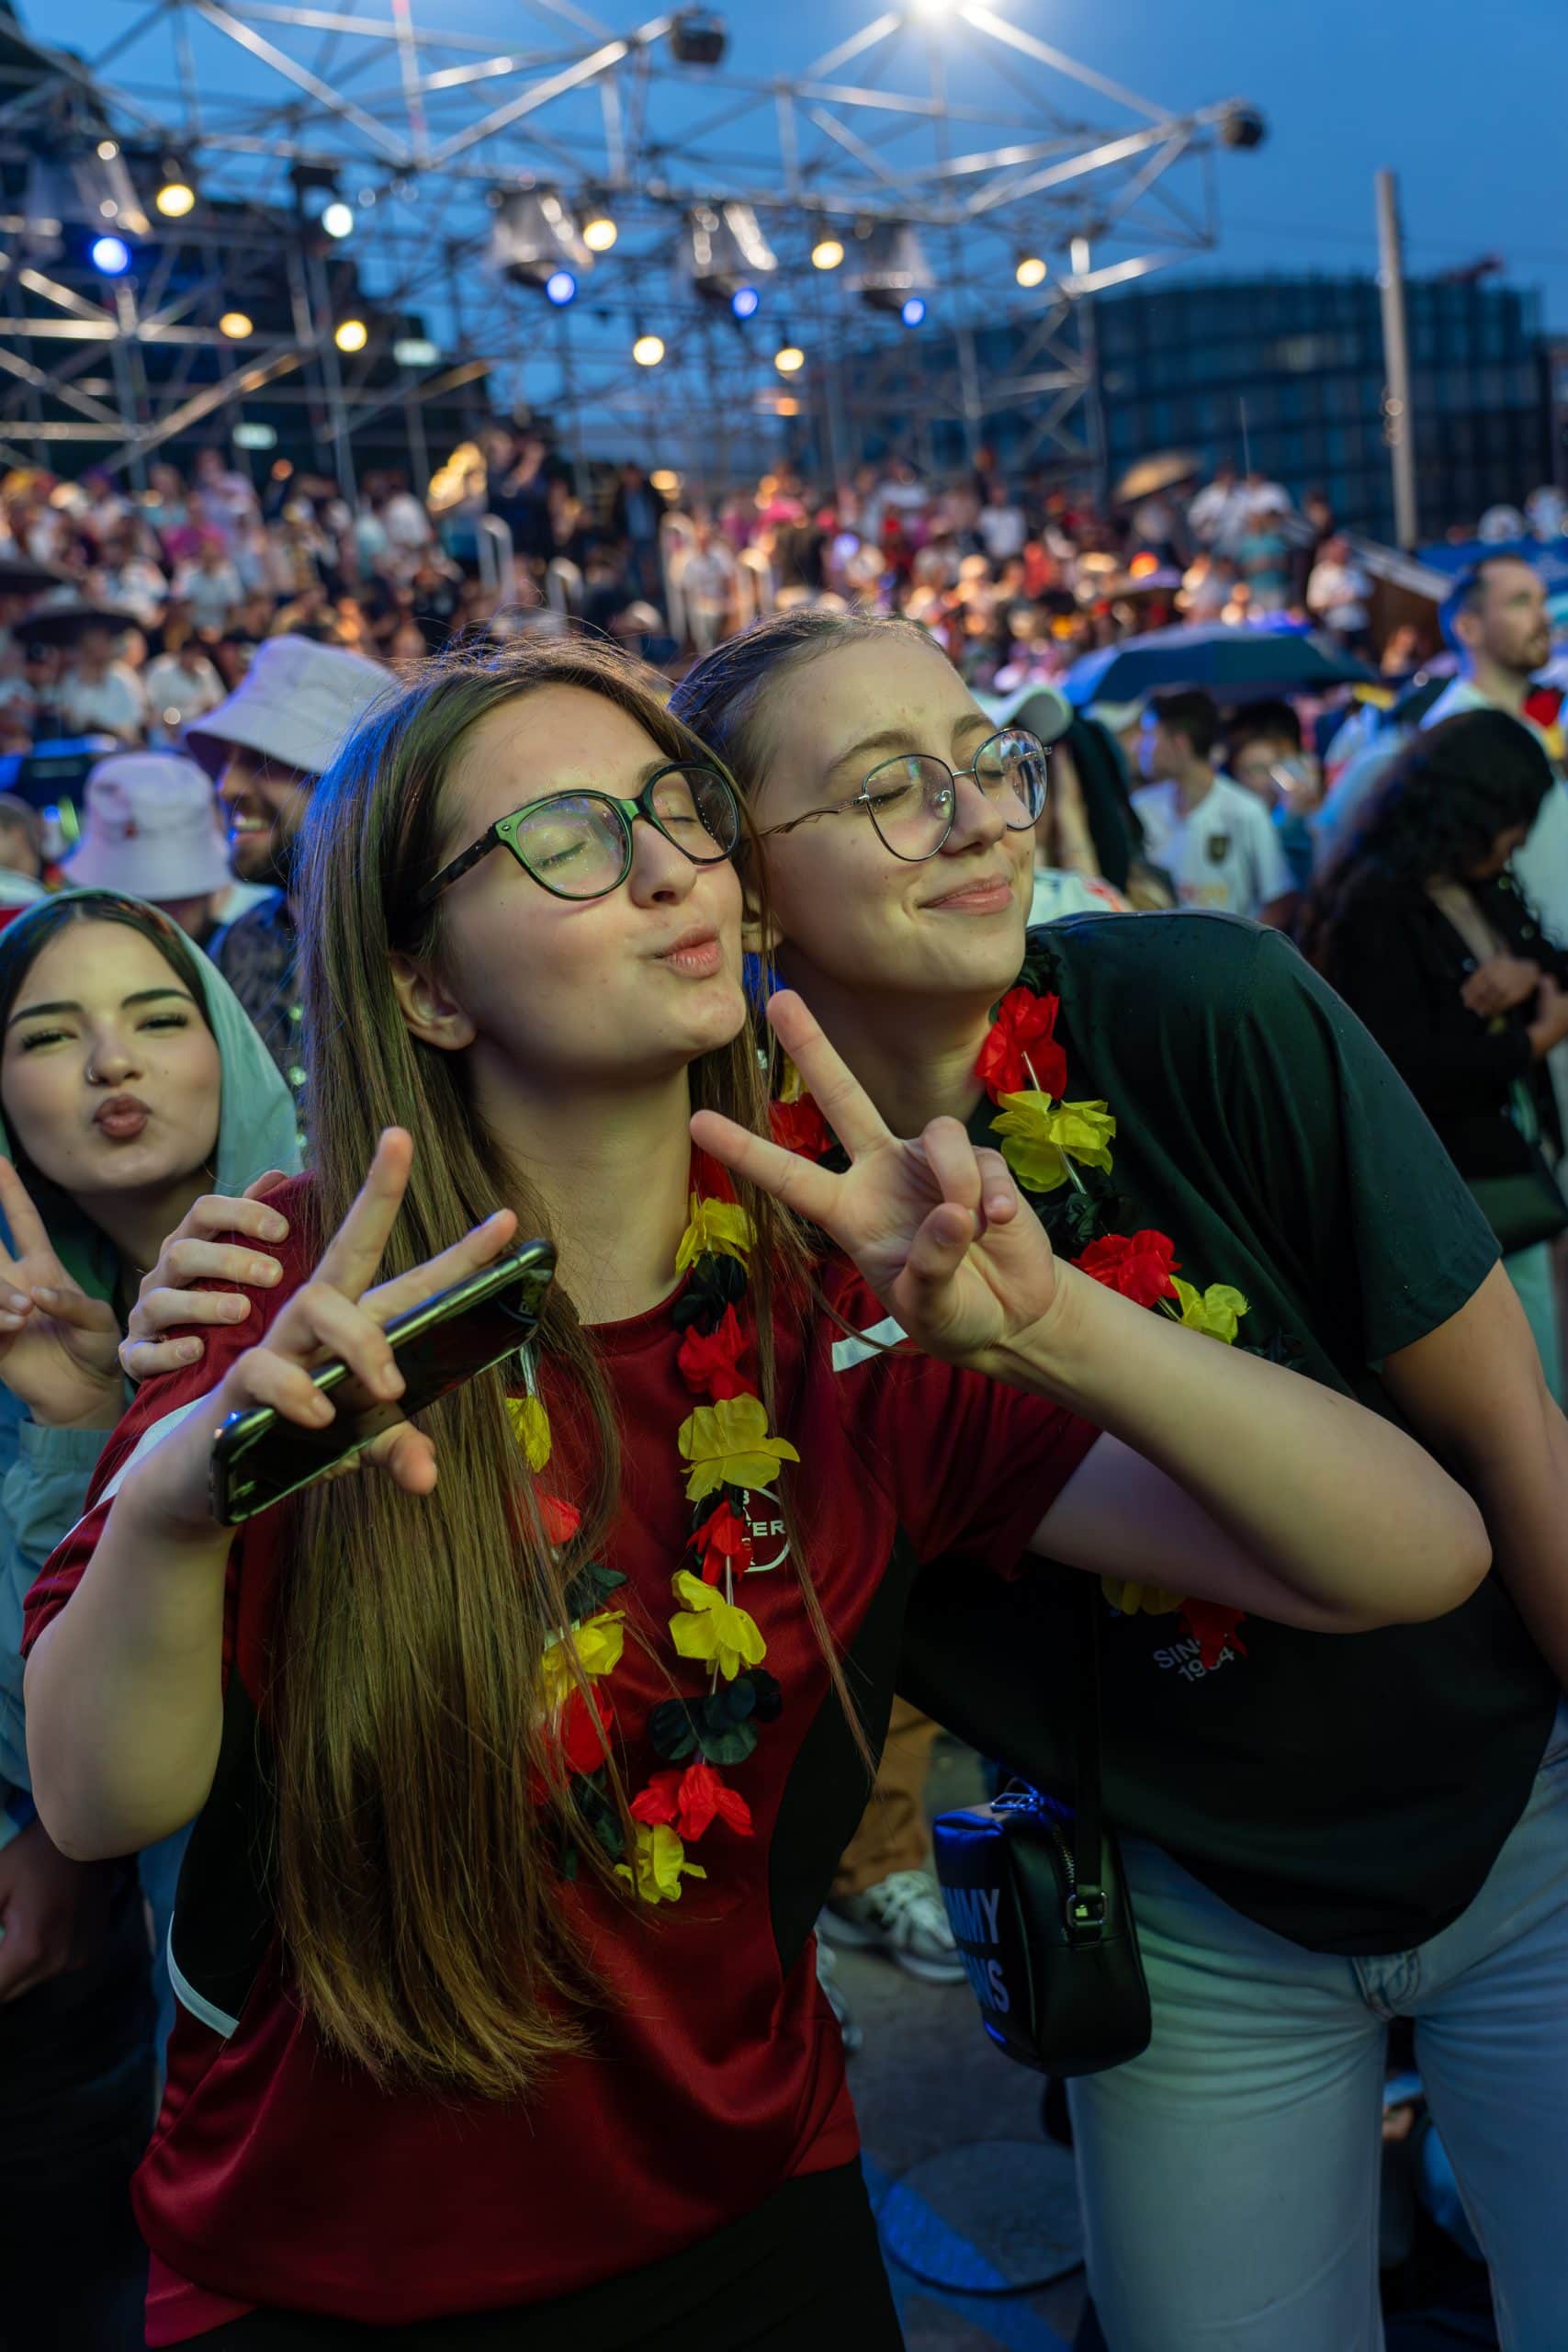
x=1002 y=524
x=710 y=586
x=99 y=695
x=210 y=587
x=1214 y=839
x=1264 y=754
x=635 y=515
x=1338 y=593
x=266 y=746
x=21 y=856
x=151 y=830
x=180 y=685
x=1418 y=927
x=1214 y=513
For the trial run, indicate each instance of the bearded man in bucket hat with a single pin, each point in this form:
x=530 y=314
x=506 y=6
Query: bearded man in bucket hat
x=264 y=747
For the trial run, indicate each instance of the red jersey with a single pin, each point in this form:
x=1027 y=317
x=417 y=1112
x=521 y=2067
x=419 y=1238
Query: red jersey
x=280 y=2174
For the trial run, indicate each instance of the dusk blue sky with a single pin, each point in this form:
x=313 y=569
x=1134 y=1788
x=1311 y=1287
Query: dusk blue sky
x=1467 y=102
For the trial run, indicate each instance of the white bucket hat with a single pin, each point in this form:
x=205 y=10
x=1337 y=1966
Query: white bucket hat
x=295 y=704
x=151 y=830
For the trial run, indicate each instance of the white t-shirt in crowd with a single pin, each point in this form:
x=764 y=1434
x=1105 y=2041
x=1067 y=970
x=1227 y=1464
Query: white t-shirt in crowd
x=1003 y=531
x=1224 y=855
x=1059 y=892
x=114 y=702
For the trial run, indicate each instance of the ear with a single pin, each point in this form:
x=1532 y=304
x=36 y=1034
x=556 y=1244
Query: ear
x=429 y=1012
x=757 y=937
x=1467 y=627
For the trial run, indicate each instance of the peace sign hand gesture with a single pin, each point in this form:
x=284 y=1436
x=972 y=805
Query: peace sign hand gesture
x=58 y=1347
x=935 y=1225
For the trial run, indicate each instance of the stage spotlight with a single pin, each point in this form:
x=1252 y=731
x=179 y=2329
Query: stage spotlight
x=107 y=150
x=826 y=254
x=891 y=267
x=111 y=256
x=599 y=231
x=560 y=287
x=1031 y=271
x=648 y=350
x=698 y=37
x=235 y=326
x=351 y=334
x=913 y=311
x=337 y=218
x=175 y=196
x=725 y=254
x=1242 y=127
x=415 y=351
x=535 y=239
x=789 y=358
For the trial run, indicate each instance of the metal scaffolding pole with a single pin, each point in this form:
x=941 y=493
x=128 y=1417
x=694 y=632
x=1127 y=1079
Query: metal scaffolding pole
x=1399 y=425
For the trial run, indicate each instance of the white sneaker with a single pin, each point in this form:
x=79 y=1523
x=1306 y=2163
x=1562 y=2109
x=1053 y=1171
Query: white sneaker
x=904 y=1919
x=827 y=1977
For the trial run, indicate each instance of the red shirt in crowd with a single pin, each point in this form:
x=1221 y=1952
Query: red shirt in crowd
x=281 y=2176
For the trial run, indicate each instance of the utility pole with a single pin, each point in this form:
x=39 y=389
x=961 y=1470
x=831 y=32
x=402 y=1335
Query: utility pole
x=1399 y=425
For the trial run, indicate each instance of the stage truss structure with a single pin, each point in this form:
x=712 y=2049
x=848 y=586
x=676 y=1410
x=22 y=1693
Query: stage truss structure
x=959 y=121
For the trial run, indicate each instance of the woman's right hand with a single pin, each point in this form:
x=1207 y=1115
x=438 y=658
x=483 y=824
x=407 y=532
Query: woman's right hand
x=189 y=1255
x=334 y=1315
x=56 y=1345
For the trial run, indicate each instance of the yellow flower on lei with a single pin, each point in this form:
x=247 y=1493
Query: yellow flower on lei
x=1039 y=1139
x=531 y=1428
x=727 y=1445
x=597 y=1642
x=1216 y=1310
x=717 y=1229
x=713 y=1629
x=1132 y=1599
x=660 y=1865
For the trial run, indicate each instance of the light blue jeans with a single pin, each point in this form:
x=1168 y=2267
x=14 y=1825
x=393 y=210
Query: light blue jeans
x=1230 y=2174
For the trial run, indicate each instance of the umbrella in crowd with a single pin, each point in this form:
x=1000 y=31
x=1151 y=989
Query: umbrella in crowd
x=1236 y=664
x=1151 y=475
x=66 y=624
x=20 y=576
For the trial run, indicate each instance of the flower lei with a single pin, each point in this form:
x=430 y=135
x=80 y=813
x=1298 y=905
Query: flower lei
x=1046 y=1139
x=728 y=1448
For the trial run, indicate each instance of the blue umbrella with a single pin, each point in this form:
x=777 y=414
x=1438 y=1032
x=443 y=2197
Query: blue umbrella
x=1235 y=664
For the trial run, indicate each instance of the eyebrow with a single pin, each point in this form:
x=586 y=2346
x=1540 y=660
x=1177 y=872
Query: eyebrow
x=897 y=738
x=141 y=996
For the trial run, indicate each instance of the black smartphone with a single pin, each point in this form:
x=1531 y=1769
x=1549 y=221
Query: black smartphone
x=258 y=1458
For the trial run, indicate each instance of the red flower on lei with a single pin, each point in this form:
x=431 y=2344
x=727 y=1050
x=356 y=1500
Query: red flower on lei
x=722 y=1542
x=1214 y=1629
x=1021 y=1055
x=690 y=1802
x=1139 y=1265
x=709 y=1361
x=799 y=1127
x=581 y=1739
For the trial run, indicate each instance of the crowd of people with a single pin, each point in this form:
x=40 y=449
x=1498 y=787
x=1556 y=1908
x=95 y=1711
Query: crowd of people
x=402 y=1842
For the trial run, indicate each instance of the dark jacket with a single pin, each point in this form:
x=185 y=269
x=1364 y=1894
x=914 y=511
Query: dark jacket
x=1397 y=960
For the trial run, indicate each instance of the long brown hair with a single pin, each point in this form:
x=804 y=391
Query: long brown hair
x=416 y=1854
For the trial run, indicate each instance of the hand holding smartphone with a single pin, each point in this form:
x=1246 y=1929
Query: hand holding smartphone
x=259 y=1458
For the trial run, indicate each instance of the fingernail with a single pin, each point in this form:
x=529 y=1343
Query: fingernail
x=189 y=1350
x=390 y=1382
x=264 y=1270
x=41 y=1290
x=17 y=1301
x=236 y=1309
x=275 y=1228
x=9 y=1322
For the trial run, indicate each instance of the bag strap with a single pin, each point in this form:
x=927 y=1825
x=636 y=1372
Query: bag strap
x=1087 y=1906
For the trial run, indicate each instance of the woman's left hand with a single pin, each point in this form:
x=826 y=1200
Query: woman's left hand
x=1500 y=983
x=936 y=1227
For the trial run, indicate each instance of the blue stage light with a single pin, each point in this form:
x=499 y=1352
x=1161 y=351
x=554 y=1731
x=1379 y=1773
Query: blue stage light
x=111 y=256
x=913 y=311
x=744 y=301
x=560 y=287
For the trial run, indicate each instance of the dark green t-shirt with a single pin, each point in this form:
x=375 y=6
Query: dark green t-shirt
x=1350 y=1792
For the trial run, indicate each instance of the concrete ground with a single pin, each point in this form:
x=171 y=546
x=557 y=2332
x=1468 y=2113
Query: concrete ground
x=926 y=2080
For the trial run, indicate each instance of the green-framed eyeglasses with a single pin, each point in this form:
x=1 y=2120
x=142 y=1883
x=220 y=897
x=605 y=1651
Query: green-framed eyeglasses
x=578 y=844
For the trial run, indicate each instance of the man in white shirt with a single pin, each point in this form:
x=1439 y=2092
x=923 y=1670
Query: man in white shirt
x=99 y=696
x=1213 y=838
